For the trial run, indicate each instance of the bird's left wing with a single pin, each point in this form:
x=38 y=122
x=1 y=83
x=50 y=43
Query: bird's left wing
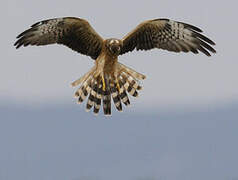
x=169 y=35
x=73 y=32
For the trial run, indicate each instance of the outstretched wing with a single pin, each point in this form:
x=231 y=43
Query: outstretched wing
x=169 y=35
x=75 y=33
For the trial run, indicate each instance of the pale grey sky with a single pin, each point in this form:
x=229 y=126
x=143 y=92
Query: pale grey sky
x=183 y=125
x=43 y=74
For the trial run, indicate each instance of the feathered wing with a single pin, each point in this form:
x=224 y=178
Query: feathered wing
x=169 y=35
x=73 y=32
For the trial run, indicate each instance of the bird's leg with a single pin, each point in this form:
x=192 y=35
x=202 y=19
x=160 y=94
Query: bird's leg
x=103 y=82
x=117 y=84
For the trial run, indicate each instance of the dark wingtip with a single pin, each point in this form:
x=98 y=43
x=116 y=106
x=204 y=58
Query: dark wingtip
x=204 y=38
x=189 y=26
x=40 y=22
x=17 y=47
x=15 y=43
x=18 y=43
x=20 y=35
x=212 y=43
x=161 y=19
x=26 y=31
x=33 y=25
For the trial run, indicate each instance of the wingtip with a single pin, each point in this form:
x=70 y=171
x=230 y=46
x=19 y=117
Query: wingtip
x=17 y=45
x=213 y=43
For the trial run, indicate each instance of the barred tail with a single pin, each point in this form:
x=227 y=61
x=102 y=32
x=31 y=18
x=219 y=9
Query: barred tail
x=116 y=96
x=112 y=87
x=107 y=96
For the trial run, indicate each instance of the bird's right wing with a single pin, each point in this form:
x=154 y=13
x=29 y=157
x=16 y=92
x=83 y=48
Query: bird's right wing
x=73 y=32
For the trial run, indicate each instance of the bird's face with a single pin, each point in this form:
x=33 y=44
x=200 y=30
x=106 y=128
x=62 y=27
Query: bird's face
x=114 y=46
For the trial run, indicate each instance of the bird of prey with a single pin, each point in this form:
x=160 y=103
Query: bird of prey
x=108 y=79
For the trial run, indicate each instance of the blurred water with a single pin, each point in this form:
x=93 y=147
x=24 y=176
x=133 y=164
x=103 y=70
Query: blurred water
x=64 y=142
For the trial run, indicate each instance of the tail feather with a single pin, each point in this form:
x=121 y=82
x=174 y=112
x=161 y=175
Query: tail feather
x=123 y=94
x=107 y=98
x=132 y=91
x=116 y=97
x=83 y=91
x=98 y=97
x=91 y=97
x=133 y=82
x=82 y=79
x=101 y=88
x=106 y=103
x=130 y=85
x=131 y=72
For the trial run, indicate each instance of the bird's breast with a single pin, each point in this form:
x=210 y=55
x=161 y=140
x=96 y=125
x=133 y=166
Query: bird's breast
x=106 y=63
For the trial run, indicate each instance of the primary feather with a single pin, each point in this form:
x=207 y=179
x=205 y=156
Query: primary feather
x=168 y=35
x=74 y=33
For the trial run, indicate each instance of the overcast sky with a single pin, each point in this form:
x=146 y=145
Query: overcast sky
x=44 y=74
x=36 y=96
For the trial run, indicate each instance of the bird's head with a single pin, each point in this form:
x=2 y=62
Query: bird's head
x=114 y=46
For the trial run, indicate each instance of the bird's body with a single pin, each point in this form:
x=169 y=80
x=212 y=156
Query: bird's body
x=107 y=60
x=108 y=79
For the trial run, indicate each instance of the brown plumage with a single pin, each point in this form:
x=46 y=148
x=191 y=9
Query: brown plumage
x=110 y=80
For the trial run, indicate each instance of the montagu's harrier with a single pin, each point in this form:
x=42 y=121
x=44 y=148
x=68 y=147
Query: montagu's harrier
x=108 y=79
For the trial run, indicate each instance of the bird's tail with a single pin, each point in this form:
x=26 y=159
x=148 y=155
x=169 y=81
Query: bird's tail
x=101 y=87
